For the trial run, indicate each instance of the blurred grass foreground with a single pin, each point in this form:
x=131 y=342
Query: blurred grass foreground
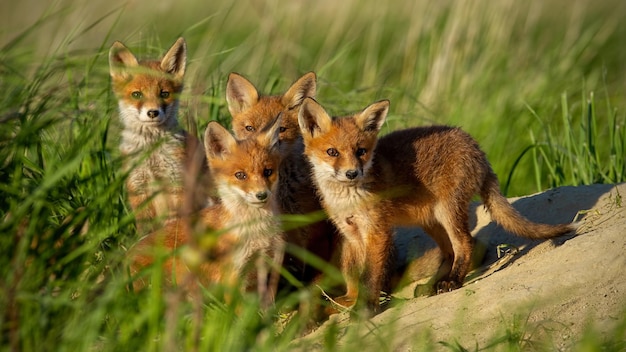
x=540 y=84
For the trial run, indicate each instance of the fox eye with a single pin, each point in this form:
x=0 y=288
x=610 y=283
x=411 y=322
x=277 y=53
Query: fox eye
x=282 y=129
x=136 y=94
x=165 y=94
x=332 y=152
x=249 y=128
x=267 y=172
x=360 y=152
x=240 y=175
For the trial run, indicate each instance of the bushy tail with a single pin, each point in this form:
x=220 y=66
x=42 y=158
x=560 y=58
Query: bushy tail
x=510 y=219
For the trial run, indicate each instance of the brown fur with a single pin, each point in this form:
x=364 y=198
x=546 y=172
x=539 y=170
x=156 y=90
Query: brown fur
x=249 y=110
x=246 y=176
x=159 y=153
x=423 y=176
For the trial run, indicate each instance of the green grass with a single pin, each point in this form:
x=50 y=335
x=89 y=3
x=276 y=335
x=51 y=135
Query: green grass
x=508 y=72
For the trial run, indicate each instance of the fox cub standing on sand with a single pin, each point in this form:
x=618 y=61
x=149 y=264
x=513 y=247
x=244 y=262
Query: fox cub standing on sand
x=250 y=111
x=147 y=93
x=423 y=176
x=246 y=176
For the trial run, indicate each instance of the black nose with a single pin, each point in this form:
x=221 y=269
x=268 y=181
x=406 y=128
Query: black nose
x=352 y=174
x=153 y=113
x=261 y=196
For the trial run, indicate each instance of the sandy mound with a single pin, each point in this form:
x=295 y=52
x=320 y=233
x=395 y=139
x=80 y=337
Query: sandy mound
x=546 y=290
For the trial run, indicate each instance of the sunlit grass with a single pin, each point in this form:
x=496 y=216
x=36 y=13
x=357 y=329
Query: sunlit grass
x=507 y=72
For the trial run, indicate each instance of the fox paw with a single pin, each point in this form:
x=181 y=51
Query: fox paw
x=447 y=286
x=340 y=304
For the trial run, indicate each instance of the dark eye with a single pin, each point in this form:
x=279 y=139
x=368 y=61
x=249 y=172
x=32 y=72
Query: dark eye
x=241 y=175
x=282 y=129
x=249 y=128
x=267 y=172
x=332 y=152
x=360 y=152
x=136 y=94
x=165 y=94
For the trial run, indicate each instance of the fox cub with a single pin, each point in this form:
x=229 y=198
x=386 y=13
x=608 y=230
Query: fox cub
x=159 y=152
x=246 y=176
x=250 y=111
x=423 y=176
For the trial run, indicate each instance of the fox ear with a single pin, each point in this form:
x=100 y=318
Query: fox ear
x=175 y=59
x=271 y=133
x=371 y=119
x=217 y=140
x=313 y=119
x=241 y=95
x=120 y=58
x=305 y=86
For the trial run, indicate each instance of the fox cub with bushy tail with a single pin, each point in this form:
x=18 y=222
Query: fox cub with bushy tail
x=423 y=176
x=245 y=220
x=160 y=154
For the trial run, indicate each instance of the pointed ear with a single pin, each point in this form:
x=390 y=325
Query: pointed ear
x=241 y=95
x=305 y=86
x=371 y=119
x=270 y=134
x=175 y=59
x=313 y=119
x=217 y=140
x=120 y=58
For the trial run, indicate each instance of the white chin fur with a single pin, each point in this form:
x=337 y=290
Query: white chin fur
x=326 y=173
x=133 y=116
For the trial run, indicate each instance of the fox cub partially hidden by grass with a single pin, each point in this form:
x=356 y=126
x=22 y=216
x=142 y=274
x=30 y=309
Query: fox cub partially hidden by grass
x=245 y=220
x=423 y=176
x=251 y=111
x=160 y=154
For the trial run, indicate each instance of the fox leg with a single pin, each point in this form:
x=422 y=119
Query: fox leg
x=439 y=234
x=352 y=267
x=377 y=267
x=454 y=220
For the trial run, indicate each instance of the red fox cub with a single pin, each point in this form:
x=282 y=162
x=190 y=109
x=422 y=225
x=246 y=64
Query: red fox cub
x=159 y=152
x=251 y=110
x=423 y=176
x=246 y=176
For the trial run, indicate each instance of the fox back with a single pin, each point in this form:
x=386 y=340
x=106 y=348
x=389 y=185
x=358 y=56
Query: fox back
x=148 y=93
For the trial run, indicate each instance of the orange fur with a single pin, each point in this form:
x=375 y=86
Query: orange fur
x=160 y=154
x=297 y=195
x=246 y=176
x=423 y=176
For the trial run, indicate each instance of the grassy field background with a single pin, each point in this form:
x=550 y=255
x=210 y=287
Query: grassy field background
x=540 y=84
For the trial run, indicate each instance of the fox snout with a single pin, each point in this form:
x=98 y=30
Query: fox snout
x=262 y=196
x=349 y=175
x=352 y=174
x=153 y=114
x=258 y=198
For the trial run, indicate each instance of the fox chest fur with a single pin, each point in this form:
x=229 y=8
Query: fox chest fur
x=154 y=161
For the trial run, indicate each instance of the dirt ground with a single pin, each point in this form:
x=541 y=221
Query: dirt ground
x=548 y=291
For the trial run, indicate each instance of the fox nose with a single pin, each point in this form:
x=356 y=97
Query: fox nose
x=153 y=114
x=262 y=196
x=352 y=174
